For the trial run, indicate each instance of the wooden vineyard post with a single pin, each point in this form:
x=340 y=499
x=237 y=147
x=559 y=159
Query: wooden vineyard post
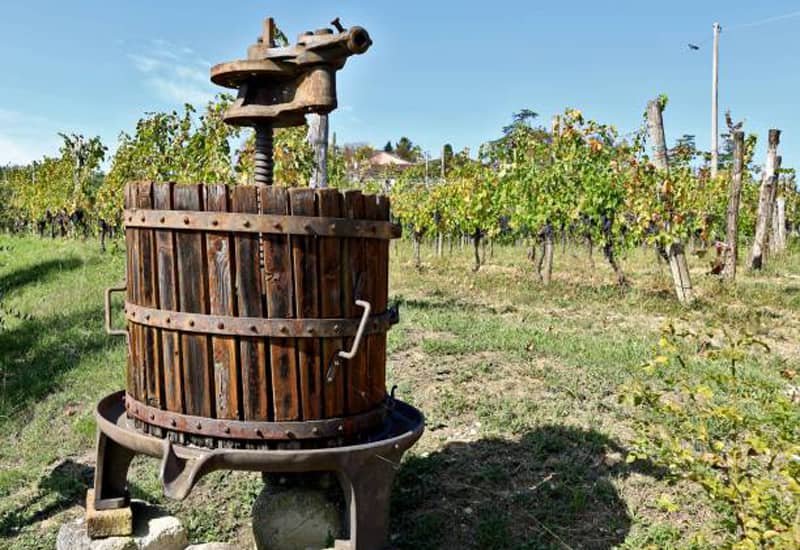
x=777 y=241
x=731 y=254
x=765 y=200
x=679 y=267
x=318 y=139
x=546 y=261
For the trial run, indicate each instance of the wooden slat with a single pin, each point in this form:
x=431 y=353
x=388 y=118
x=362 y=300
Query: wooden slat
x=192 y=297
x=132 y=278
x=151 y=357
x=168 y=300
x=330 y=292
x=255 y=398
x=221 y=302
x=353 y=273
x=306 y=292
x=376 y=208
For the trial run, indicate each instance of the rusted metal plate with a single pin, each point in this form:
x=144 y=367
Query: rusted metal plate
x=308 y=226
x=252 y=430
x=280 y=85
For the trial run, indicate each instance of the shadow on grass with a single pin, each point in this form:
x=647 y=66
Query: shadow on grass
x=552 y=489
x=64 y=487
x=37 y=273
x=36 y=354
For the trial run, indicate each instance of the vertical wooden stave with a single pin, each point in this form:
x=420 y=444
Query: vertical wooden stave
x=222 y=302
x=330 y=204
x=280 y=304
x=376 y=288
x=305 y=276
x=166 y=271
x=150 y=356
x=354 y=279
x=253 y=356
x=132 y=282
x=192 y=298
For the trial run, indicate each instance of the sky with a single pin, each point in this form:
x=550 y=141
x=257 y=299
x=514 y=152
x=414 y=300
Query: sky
x=438 y=72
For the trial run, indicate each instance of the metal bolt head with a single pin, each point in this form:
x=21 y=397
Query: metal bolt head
x=186 y=220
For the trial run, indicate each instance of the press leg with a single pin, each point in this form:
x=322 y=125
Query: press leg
x=111 y=474
x=368 y=489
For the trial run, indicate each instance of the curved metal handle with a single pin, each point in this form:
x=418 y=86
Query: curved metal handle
x=109 y=329
x=362 y=326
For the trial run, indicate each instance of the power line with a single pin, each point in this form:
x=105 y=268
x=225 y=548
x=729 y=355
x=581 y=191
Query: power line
x=757 y=23
x=765 y=21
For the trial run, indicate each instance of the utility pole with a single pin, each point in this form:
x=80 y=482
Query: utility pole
x=715 y=103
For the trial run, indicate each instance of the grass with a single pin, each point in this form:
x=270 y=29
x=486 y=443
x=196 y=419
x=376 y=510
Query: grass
x=526 y=443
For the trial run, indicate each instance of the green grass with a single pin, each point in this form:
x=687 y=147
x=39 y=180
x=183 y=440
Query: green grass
x=526 y=443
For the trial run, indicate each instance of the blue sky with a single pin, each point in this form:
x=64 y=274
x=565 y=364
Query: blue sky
x=444 y=71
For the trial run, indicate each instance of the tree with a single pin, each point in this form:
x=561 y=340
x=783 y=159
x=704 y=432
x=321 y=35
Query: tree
x=406 y=150
x=388 y=148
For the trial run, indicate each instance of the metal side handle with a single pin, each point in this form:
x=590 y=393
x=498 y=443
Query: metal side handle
x=110 y=329
x=362 y=326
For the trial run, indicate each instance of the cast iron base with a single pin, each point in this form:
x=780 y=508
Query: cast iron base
x=365 y=471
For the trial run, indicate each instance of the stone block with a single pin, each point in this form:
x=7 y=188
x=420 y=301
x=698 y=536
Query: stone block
x=107 y=523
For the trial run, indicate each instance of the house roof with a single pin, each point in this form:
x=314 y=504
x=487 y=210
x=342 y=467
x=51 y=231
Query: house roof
x=382 y=158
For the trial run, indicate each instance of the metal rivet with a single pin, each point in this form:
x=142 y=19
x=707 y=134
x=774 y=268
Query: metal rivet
x=310 y=330
x=147 y=318
x=168 y=320
x=133 y=314
x=152 y=416
x=278 y=226
x=143 y=219
x=332 y=227
x=315 y=431
x=337 y=329
x=289 y=434
x=258 y=433
x=307 y=228
x=215 y=223
x=284 y=329
x=191 y=323
x=163 y=219
x=247 y=223
x=130 y=218
x=341 y=427
x=221 y=326
x=373 y=228
x=253 y=328
x=173 y=423
x=186 y=220
x=199 y=426
x=226 y=429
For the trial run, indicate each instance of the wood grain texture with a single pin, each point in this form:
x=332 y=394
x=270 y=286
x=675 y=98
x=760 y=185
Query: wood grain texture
x=221 y=300
x=305 y=274
x=254 y=359
x=377 y=289
x=354 y=277
x=330 y=203
x=192 y=297
x=168 y=300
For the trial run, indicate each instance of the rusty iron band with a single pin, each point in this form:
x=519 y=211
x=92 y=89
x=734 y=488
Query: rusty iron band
x=237 y=222
x=255 y=430
x=257 y=326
